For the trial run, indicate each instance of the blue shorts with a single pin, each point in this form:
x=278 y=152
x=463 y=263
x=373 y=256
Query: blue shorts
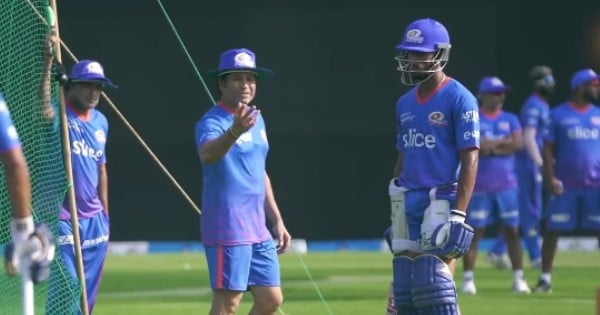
x=530 y=195
x=574 y=209
x=416 y=202
x=489 y=208
x=236 y=268
x=94 y=235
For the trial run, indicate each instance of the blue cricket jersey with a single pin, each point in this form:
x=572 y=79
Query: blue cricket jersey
x=233 y=194
x=88 y=140
x=497 y=172
x=575 y=134
x=9 y=138
x=432 y=131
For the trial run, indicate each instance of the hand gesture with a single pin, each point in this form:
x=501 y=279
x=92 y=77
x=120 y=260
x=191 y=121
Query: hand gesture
x=282 y=236
x=244 y=118
x=51 y=41
x=556 y=187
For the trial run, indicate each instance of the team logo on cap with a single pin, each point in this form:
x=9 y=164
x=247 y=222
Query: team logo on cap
x=496 y=82
x=93 y=67
x=100 y=136
x=244 y=60
x=414 y=36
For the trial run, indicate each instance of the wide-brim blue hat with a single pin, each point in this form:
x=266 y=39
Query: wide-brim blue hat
x=90 y=71
x=238 y=60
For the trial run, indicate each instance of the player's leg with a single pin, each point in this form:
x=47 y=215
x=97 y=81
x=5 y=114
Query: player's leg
x=406 y=210
x=497 y=256
x=507 y=203
x=94 y=233
x=56 y=296
x=591 y=212
x=229 y=269
x=561 y=217
x=264 y=279
x=391 y=305
x=478 y=216
x=530 y=209
x=433 y=286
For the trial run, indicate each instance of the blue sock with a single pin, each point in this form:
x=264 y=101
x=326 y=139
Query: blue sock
x=499 y=246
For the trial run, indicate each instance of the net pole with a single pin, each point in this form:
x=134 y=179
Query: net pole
x=69 y=170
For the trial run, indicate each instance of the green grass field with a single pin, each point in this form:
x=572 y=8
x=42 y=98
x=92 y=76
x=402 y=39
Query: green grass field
x=352 y=283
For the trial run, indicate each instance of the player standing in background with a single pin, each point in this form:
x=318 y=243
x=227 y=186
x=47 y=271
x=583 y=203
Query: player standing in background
x=438 y=142
x=535 y=120
x=572 y=168
x=495 y=197
x=88 y=129
x=237 y=195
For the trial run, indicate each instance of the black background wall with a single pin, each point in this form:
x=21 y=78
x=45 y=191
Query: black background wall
x=330 y=109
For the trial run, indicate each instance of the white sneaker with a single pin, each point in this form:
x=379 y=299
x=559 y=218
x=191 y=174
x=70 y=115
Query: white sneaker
x=500 y=262
x=468 y=287
x=520 y=287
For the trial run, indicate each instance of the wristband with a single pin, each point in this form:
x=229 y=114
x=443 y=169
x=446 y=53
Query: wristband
x=21 y=229
x=457 y=216
x=232 y=133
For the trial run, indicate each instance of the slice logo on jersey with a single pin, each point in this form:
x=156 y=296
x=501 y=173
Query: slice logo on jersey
x=504 y=125
x=406 y=118
x=414 y=36
x=100 y=136
x=470 y=116
x=244 y=60
x=80 y=147
x=414 y=139
x=437 y=119
x=595 y=120
x=582 y=133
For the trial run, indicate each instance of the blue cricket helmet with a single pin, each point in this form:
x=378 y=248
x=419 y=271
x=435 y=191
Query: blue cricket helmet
x=423 y=36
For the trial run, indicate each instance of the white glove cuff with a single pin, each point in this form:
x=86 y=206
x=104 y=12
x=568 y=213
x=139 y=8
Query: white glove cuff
x=21 y=229
x=457 y=216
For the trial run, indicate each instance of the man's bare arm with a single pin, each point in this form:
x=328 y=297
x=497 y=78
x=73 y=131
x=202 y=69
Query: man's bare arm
x=469 y=159
x=103 y=186
x=17 y=182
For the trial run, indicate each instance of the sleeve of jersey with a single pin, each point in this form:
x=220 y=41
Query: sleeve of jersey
x=399 y=144
x=208 y=128
x=466 y=119
x=515 y=125
x=9 y=138
x=530 y=116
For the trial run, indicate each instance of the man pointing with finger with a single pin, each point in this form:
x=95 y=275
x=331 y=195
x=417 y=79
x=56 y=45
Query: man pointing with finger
x=237 y=198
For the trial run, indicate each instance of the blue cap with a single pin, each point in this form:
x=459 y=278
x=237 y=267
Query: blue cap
x=492 y=85
x=582 y=77
x=89 y=71
x=239 y=60
x=425 y=35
